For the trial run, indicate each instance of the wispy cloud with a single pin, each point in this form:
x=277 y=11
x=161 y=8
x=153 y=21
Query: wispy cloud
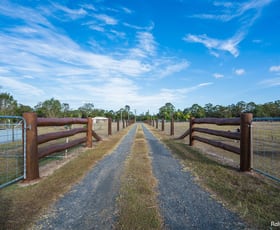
x=274 y=68
x=232 y=10
x=271 y=82
x=218 y=75
x=169 y=69
x=70 y=13
x=228 y=45
x=108 y=20
x=22 y=88
x=146 y=45
x=246 y=13
x=239 y=71
x=55 y=63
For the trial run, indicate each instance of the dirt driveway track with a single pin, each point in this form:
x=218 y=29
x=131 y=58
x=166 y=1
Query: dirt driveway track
x=91 y=204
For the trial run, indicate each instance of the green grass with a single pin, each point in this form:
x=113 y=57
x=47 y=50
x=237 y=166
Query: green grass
x=137 y=201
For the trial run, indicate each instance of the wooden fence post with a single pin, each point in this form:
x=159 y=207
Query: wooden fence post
x=32 y=159
x=109 y=126
x=118 y=125
x=123 y=124
x=157 y=123
x=245 y=141
x=89 y=132
x=172 y=127
x=191 y=131
x=162 y=124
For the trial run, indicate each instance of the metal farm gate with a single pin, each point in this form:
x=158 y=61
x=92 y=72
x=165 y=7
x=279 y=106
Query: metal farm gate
x=266 y=146
x=12 y=149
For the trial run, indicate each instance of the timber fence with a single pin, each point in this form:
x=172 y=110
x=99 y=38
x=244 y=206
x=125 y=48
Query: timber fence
x=242 y=135
x=35 y=150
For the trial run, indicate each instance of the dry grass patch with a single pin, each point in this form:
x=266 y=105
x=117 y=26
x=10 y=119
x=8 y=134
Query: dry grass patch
x=138 y=199
x=20 y=206
x=254 y=198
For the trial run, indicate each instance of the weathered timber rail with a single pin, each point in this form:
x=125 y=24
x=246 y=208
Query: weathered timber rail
x=33 y=141
x=243 y=135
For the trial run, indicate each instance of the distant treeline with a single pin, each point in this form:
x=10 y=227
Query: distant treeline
x=269 y=109
x=54 y=108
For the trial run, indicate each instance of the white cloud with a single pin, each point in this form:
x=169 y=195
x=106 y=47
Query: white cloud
x=271 y=82
x=228 y=45
x=16 y=86
x=239 y=71
x=108 y=20
x=232 y=10
x=146 y=45
x=218 y=75
x=45 y=62
x=274 y=68
x=71 y=13
x=169 y=69
x=246 y=13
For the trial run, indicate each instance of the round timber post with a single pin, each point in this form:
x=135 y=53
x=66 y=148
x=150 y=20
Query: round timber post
x=109 y=126
x=245 y=141
x=191 y=131
x=172 y=126
x=32 y=159
x=162 y=124
x=89 y=132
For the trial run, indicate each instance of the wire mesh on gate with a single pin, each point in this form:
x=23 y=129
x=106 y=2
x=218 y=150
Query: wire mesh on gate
x=266 y=146
x=12 y=149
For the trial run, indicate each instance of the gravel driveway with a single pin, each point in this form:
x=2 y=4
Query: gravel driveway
x=91 y=203
x=183 y=204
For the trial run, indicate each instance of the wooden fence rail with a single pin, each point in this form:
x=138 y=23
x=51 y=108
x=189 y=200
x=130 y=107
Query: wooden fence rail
x=243 y=135
x=33 y=140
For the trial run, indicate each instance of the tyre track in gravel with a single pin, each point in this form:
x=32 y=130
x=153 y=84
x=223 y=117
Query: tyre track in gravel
x=183 y=204
x=91 y=204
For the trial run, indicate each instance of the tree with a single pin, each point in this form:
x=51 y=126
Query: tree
x=127 y=109
x=166 y=111
x=65 y=109
x=197 y=111
x=8 y=105
x=87 y=110
x=23 y=109
x=49 y=108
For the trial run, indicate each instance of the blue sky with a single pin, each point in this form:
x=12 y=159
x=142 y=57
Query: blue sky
x=140 y=53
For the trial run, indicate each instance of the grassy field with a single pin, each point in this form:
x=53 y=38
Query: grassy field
x=255 y=198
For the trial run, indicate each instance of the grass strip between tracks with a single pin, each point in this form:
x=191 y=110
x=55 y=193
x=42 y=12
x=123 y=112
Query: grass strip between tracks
x=138 y=208
x=21 y=206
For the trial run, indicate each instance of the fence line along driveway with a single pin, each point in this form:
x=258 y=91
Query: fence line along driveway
x=183 y=204
x=91 y=203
